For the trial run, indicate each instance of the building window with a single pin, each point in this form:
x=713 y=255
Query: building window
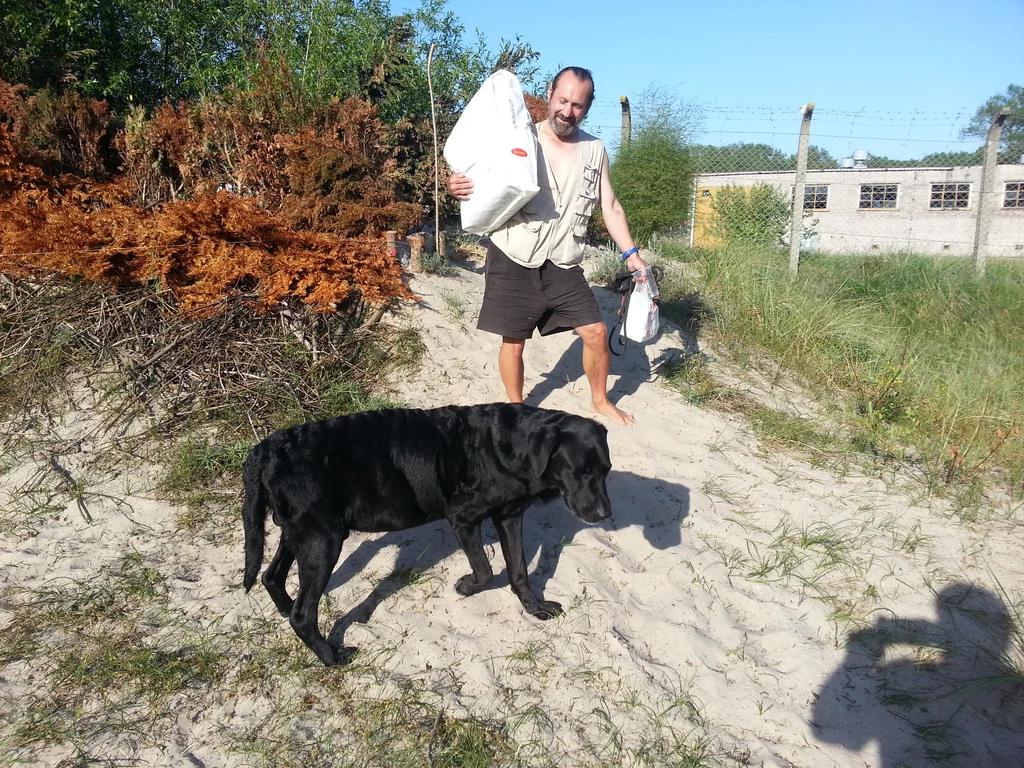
x=1014 y=195
x=878 y=195
x=948 y=197
x=816 y=197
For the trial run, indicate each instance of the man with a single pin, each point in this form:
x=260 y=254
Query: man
x=533 y=273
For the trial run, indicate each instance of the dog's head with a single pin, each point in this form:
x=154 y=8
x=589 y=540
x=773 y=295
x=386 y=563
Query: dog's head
x=578 y=465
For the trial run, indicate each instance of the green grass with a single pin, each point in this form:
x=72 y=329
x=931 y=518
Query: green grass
x=778 y=428
x=922 y=353
x=455 y=308
x=194 y=473
x=108 y=656
x=691 y=378
x=434 y=264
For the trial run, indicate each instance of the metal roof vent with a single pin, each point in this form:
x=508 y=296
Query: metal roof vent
x=846 y=162
x=860 y=158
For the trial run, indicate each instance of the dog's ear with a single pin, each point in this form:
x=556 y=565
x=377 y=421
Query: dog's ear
x=543 y=444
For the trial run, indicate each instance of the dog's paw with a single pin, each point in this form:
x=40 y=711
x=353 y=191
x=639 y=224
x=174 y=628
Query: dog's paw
x=468 y=585
x=547 y=609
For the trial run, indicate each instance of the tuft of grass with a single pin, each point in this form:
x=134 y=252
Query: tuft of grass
x=121 y=662
x=691 y=377
x=107 y=657
x=340 y=397
x=405 y=730
x=434 y=264
x=778 y=428
x=533 y=657
x=196 y=463
x=72 y=605
x=455 y=308
x=194 y=473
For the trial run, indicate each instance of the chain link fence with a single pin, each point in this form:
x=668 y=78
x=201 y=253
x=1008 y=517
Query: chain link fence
x=860 y=194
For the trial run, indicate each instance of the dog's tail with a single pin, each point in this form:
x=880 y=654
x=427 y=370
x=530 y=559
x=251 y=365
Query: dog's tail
x=254 y=515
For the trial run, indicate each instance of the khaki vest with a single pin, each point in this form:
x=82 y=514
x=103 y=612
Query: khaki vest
x=553 y=225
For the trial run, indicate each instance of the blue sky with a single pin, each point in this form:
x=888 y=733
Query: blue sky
x=898 y=78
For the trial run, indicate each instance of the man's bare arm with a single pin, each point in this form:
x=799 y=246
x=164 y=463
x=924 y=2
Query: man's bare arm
x=615 y=219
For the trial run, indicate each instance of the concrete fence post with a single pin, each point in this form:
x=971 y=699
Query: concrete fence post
x=415 y=253
x=627 y=122
x=988 y=200
x=796 y=228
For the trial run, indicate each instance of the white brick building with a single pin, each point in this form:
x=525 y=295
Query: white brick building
x=863 y=210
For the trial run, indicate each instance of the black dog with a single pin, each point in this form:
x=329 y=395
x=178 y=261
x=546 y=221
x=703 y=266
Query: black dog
x=395 y=469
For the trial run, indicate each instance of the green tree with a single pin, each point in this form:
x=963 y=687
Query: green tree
x=818 y=159
x=138 y=51
x=932 y=160
x=744 y=156
x=1011 y=144
x=653 y=173
x=148 y=51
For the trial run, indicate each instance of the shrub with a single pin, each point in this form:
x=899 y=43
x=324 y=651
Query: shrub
x=653 y=173
x=757 y=216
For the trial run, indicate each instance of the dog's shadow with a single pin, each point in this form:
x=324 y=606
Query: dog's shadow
x=656 y=506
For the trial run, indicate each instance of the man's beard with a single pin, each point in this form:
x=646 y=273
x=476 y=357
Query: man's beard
x=562 y=127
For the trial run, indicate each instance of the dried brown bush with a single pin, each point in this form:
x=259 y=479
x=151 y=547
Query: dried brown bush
x=15 y=172
x=62 y=133
x=304 y=218
x=343 y=177
x=537 y=107
x=203 y=250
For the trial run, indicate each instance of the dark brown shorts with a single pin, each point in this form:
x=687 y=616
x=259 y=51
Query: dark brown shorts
x=518 y=299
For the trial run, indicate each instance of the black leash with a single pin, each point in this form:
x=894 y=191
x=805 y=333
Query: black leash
x=623 y=283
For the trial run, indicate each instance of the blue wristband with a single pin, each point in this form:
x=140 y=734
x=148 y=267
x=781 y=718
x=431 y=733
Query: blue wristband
x=629 y=253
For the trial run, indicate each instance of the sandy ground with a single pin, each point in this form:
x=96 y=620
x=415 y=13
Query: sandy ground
x=729 y=578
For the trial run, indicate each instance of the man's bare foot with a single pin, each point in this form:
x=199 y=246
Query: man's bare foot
x=613 y=413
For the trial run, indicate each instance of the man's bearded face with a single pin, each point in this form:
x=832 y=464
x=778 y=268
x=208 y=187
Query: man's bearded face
x=568 y=104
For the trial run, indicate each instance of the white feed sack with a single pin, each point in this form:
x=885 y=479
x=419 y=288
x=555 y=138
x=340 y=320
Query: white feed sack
x=494 y=145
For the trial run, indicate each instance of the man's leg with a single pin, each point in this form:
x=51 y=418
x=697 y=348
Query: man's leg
x=510 y=367
x=596 y=361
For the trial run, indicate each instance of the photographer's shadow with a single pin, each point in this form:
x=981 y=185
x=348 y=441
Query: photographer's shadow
x=656 y=506
x=949 y=692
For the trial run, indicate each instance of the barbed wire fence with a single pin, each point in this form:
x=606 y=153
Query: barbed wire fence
x=871 y=181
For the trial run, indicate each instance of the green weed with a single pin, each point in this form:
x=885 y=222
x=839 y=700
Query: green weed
x=455 y=308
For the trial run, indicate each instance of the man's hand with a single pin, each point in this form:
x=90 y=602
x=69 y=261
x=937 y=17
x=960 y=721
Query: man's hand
x=460 y=185
x=634 y=263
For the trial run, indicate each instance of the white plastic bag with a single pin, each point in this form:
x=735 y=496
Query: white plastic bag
x=493 y=144
x=642 y=321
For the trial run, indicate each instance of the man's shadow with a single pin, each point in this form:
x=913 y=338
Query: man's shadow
x=949 y=692
x=633 y=369
x=630 y=361
x=656 y=506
